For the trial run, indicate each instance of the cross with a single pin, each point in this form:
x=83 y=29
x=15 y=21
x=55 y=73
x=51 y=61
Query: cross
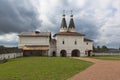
x=71 y=12
x=63 y=11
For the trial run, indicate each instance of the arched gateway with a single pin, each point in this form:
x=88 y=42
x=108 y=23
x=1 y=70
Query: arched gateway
x=63 y=53
x=75 y=53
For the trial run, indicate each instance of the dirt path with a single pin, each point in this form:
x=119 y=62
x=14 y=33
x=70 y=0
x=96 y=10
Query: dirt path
x=101 y=70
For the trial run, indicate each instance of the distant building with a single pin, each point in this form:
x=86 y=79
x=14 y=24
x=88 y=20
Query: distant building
x=67 y=42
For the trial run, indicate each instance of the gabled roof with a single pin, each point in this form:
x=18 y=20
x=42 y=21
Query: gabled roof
x=85 y=39
x=34 y=34
x=69 y=34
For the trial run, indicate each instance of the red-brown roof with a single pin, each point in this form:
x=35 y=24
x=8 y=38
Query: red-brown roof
x=36 y=47
x=69 y=34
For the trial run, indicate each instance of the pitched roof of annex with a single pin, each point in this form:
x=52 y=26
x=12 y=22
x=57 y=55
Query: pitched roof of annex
x=85 y=39
x=34 y=34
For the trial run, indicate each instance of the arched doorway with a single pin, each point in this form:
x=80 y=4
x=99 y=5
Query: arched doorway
x=89 y=52
x=54 y=54
x=75 y=53
x=63 y=53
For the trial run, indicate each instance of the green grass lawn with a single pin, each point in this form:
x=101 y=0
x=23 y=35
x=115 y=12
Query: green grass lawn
x=41 y=68
x=107 y=57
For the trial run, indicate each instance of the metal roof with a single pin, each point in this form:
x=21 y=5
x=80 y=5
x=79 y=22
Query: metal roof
x=34 y=34
x=85 y=39
x=69 y=34
x=63 y=23
x=71 y=24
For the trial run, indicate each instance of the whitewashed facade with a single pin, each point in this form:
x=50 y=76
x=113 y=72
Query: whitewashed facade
x=67 y=42
x=35 y=43
x=72 y=44
x=29 y=40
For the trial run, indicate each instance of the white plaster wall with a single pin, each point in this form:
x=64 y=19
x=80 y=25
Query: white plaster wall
x=69 y=44
x=89 y=46
x=106 y=54
x=52 y=48
x=63 y=29
x=10 y=55
x=33 y=41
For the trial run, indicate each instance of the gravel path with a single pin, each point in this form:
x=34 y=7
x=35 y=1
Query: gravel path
x=100 y=70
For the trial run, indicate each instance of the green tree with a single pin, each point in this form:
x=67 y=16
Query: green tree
x=104 y=48
x=94 y=48
x=98 y=48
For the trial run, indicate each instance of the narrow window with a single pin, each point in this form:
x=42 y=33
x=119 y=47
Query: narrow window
x=87 y=43
x=75 y=42
x=63 y=42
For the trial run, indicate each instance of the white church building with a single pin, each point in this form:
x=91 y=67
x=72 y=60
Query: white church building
x=65 y=43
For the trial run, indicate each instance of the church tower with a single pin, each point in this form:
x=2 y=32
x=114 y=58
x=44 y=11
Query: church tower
x=63 y=27
x=71 y=27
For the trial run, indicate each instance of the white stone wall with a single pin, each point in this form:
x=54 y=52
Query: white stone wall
x=88 y=45
x=52 y=48
x=106 y=54
x=33 y=41
x=10 y=55
x=69 y=44
x=63 y=29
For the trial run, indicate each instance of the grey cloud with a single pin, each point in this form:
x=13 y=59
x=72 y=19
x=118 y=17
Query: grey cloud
x=89 y=28
x=17 y=16
x=85 y=26
x=114 y=45
x=9 y=44
x=21 y=15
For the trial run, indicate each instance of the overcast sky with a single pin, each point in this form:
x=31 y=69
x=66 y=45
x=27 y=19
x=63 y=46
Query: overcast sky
x=97 y=19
